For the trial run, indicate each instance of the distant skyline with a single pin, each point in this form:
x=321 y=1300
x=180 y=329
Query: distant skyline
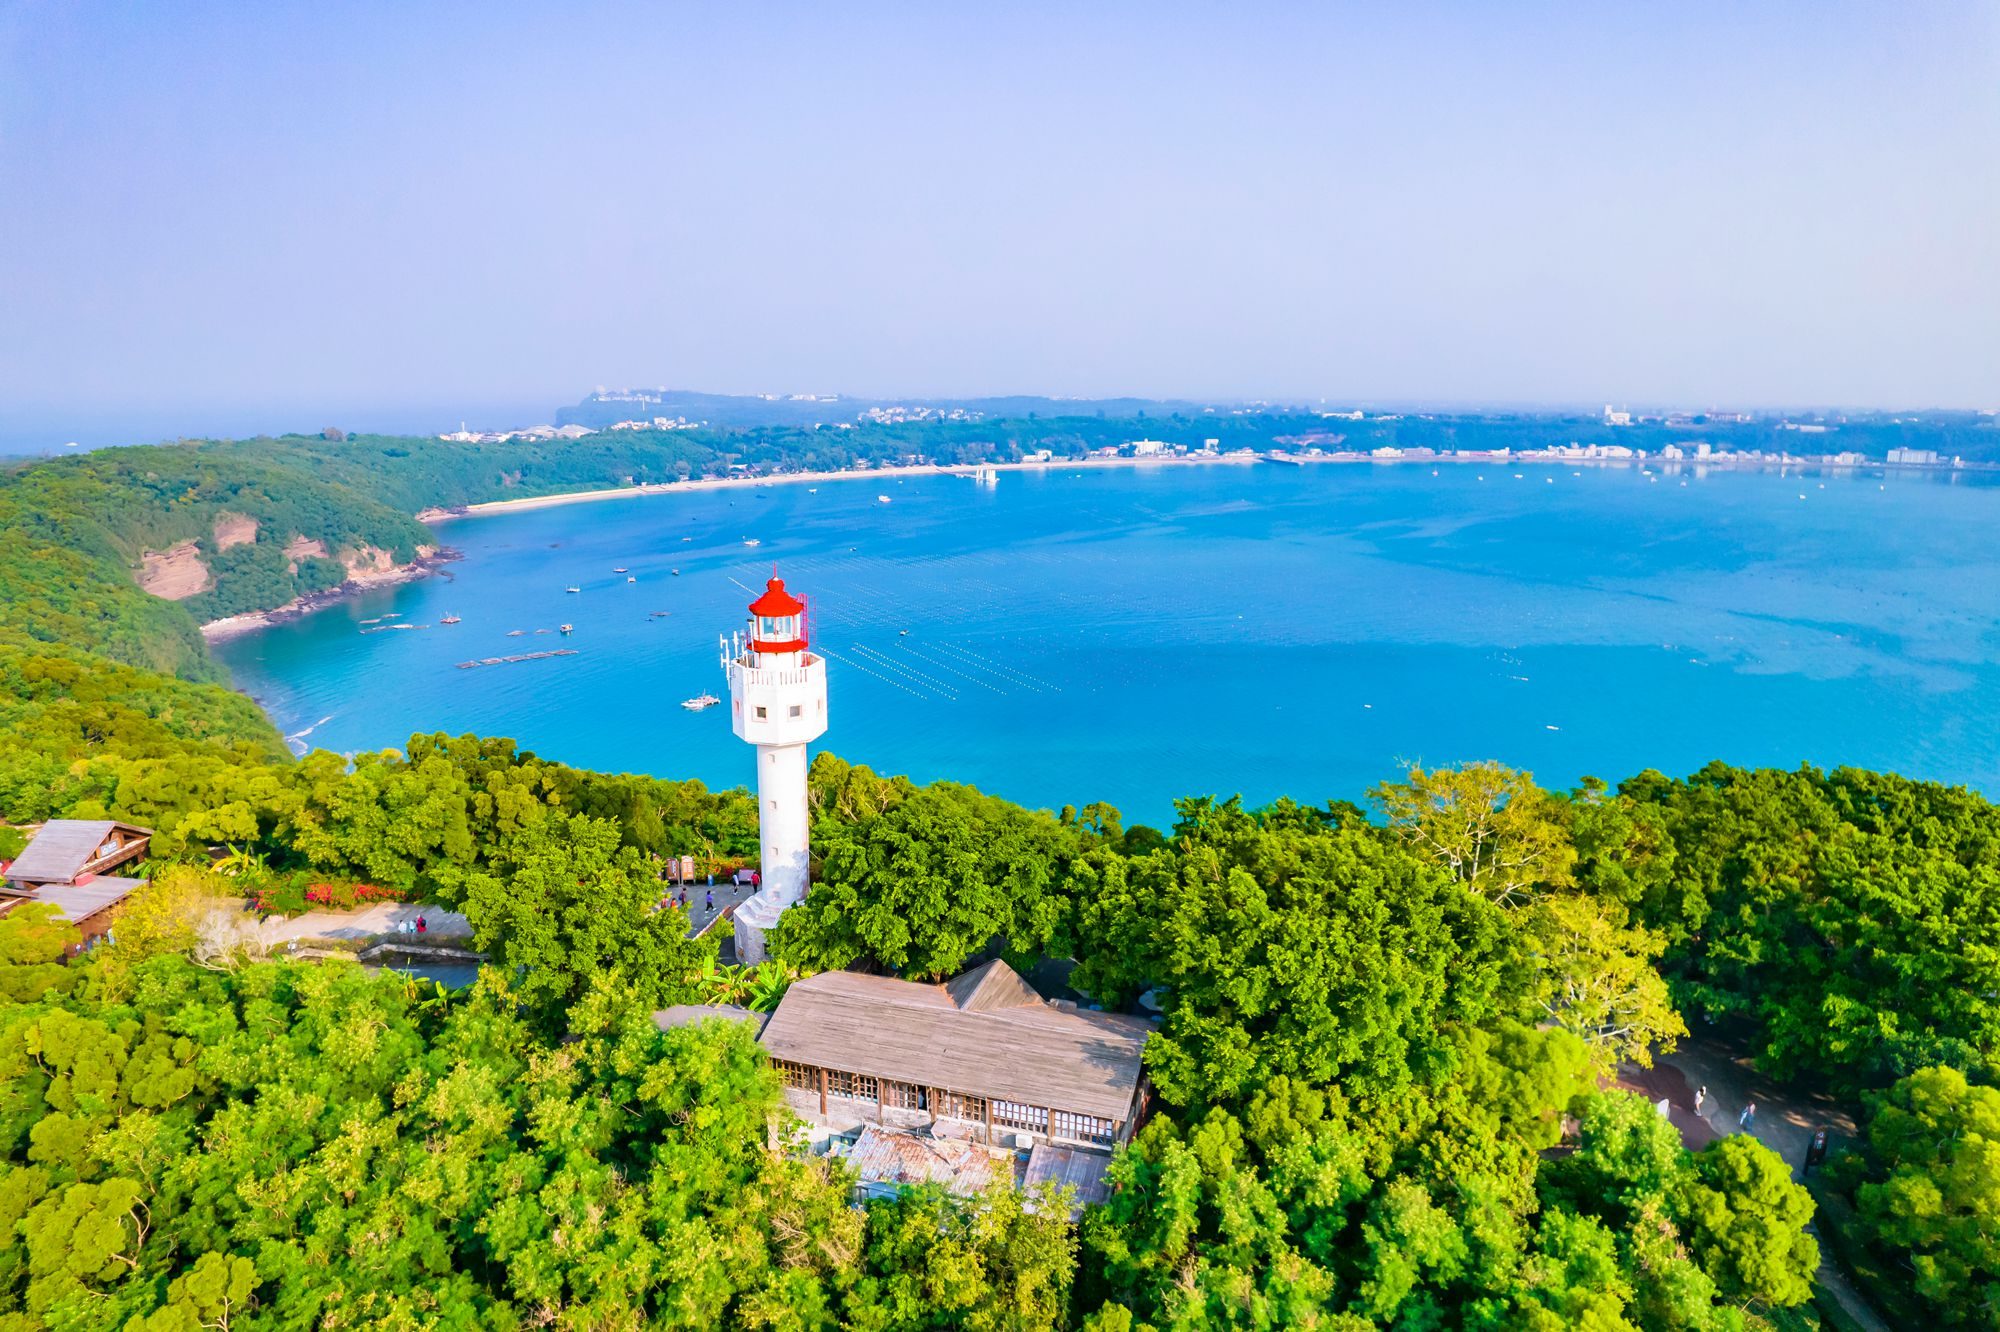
x=226 y=218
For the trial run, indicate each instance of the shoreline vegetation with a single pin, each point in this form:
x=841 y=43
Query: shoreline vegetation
x=1384 y=1066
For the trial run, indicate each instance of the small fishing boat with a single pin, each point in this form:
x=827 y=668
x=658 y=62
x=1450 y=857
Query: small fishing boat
x=448 y=619
x=752 y=541
x=619 y=569
x=572 y=589
x=883 y=499
x=655 y=615
x=565 y=628
x=902 y=633
x=700 y=701
x=516 y=633
x=631 y=578
x=677 y=573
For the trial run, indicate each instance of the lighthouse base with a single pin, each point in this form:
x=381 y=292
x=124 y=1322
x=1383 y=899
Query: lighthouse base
x=752 y=919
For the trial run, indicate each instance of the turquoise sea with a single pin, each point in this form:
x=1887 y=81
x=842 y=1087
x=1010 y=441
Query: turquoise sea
x=1137 y=634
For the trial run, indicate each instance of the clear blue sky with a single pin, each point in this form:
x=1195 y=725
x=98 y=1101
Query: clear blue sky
x=315 y=208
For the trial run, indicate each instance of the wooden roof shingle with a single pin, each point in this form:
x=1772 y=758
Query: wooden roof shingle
x=65 y=848
x=986 y=1033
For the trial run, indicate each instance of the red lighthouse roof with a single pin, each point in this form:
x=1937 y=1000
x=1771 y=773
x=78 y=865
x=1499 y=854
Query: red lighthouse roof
x=776 y=601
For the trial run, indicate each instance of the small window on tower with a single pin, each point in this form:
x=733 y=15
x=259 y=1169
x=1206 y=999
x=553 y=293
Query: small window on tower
x=797 y=711
x=760 y=712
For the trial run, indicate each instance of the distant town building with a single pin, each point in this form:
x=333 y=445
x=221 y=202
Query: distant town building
x=1146 y=448
x=1914 y=457
x=1613 y=418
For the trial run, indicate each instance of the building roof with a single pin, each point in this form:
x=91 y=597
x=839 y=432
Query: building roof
x=686 y=1015
x=65 y=848
x=79 y=901
x=777 y=601
x=986 y=1033
x=1078 y=1167
x=885 y=1156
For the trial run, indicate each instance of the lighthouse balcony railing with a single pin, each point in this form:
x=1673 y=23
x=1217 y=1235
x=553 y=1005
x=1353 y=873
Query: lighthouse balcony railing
x=773 y=677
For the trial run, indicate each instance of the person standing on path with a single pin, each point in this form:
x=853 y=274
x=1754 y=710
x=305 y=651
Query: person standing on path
x=1701 y=1100
x=1748 y=1118
x=710 y=904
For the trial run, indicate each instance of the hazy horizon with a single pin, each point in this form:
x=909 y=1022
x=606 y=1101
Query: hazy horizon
x=224 y=221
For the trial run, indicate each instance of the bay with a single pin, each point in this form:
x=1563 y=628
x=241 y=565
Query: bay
x=1138 y=634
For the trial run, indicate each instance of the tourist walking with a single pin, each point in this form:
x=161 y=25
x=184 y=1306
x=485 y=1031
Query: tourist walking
x=1701 y=1100
x=1748 y=1118
x=709 y=905
x=422 y=925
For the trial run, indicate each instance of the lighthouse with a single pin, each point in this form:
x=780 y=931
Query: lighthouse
x=777 y=702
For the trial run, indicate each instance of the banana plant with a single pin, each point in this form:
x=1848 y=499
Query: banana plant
x=240 y=863
x=768 y=982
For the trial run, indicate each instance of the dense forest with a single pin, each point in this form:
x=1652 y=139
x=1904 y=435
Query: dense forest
x=1383 y=1064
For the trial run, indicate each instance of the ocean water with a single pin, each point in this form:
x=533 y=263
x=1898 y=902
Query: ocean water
x=1139 y=634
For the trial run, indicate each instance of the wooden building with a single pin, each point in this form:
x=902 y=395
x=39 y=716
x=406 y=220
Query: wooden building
x=66 y=866
x=981 y=1056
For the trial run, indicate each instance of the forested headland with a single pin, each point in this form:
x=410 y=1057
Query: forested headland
x=1388 y=1026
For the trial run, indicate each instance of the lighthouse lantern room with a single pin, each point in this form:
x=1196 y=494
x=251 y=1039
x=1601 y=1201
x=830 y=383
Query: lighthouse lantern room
x=777 y=702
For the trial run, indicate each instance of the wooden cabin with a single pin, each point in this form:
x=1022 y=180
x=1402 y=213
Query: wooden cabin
x=981 y=1056
x=66 y=866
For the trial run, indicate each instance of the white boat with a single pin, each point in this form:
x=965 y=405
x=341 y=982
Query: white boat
x=572 y=589
x=752 y=541
x=700 y=701
x=631 y=578
x=565 y=628
x=883 y=499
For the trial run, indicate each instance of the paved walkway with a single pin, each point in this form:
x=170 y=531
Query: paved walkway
x=1787 y=1117
x=370 y=922
x=727 y=898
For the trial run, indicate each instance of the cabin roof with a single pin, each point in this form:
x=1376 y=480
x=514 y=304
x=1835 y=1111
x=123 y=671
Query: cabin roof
x=77 y=902
x=64 y=848
x=686 y=1015
x=885 y=1156
x=1078 y=1167
x=986 y=1033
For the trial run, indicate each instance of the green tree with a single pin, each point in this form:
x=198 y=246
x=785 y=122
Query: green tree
x=1003 y=1263
x=34 y=938
x=572 y=903
x=1931 y=1190
x=1746 y=1223
x=1498 y=833
x=922 y=879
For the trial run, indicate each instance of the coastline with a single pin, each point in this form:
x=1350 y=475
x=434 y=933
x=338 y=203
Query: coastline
x=428 y=561
x=488 y=508
x=492 y=507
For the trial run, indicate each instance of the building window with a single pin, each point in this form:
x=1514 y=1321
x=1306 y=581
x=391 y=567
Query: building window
x=902 y=1096
x=855 y=1086
x=1032 y=1118
x=797 y=711
x=760 y=712
x=803 y=1077
x=1081 y=1128
x=957 y=1105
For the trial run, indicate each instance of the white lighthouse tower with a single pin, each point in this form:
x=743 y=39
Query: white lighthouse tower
x=777 y=701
